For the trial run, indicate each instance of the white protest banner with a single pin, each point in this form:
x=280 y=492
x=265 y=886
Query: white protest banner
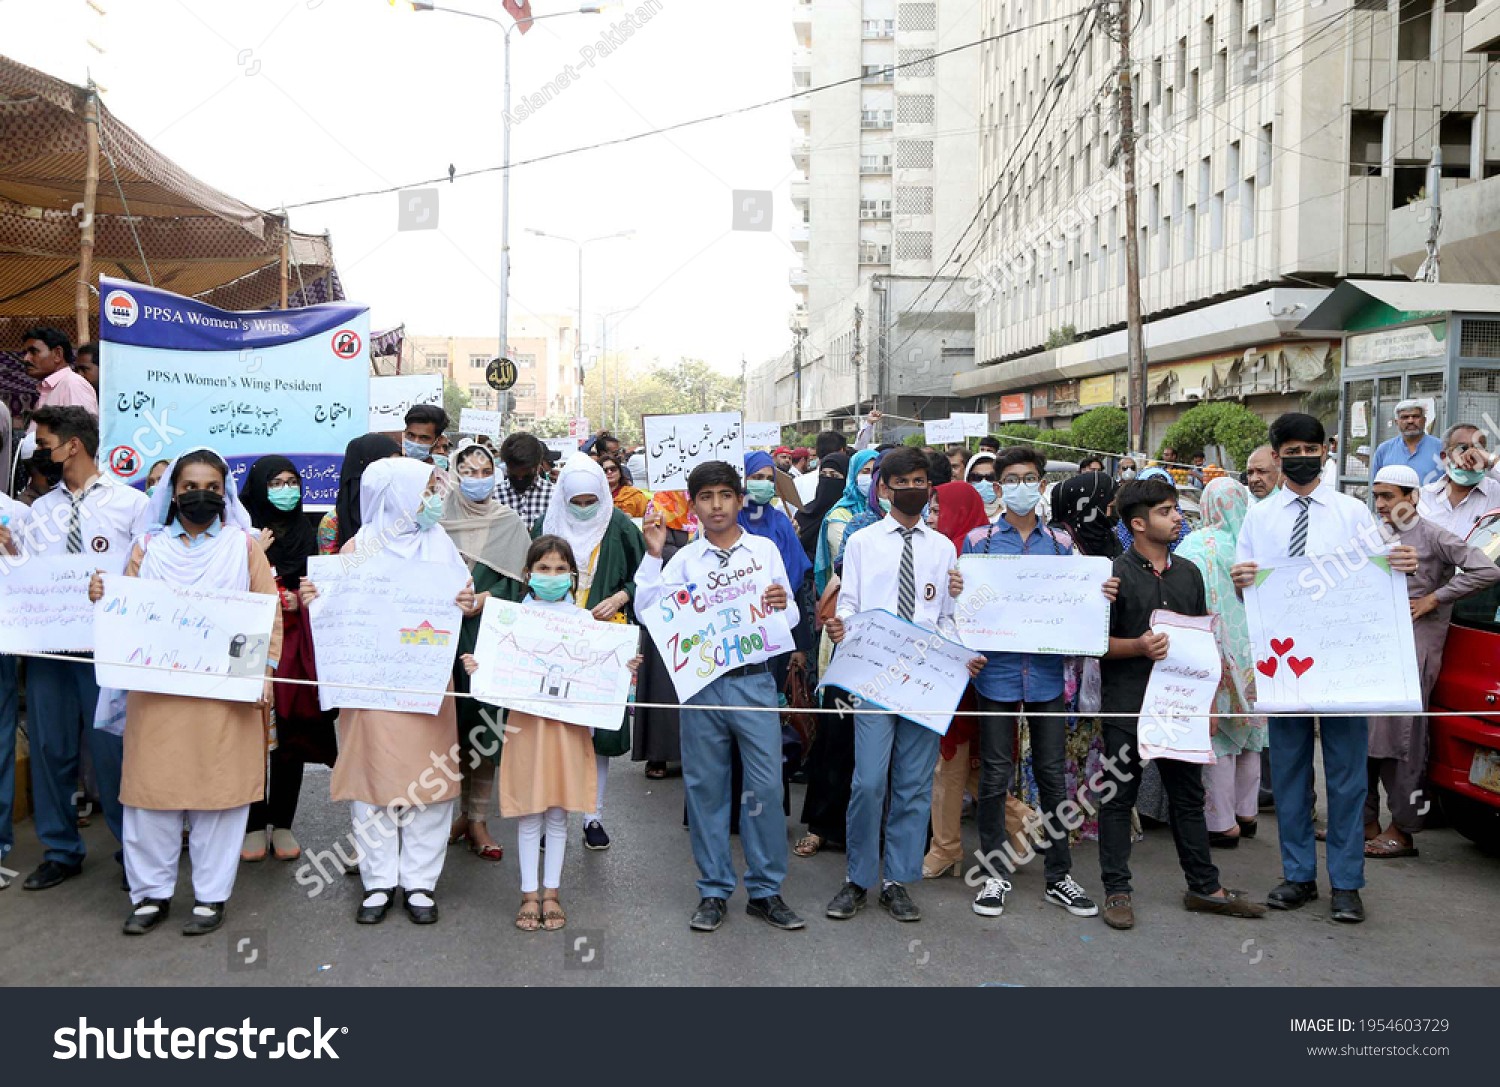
x=976 y=424
x=379 y=622
x=578 y=429
x=895 y=665
x=703 y=631
x=392 y=397
x=943 y=431
x=1180 y=693
x=474 y=421
x=201 y=643
x=1332 y=635
x=807 y=486
x=1034 y=604
x=563 y=447
x=44 y=602
x=762 y=435
x=676 y=444
x=534 y=659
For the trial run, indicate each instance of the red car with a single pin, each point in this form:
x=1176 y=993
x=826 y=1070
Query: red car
x=1464 y=761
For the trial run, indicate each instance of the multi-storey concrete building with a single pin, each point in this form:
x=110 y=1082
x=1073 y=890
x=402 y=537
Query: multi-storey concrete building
x=542 y=347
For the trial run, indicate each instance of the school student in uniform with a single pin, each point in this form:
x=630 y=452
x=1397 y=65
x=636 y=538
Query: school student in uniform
x=717 y=496
x=13 y=517
x=906 y=567
x=199 y=759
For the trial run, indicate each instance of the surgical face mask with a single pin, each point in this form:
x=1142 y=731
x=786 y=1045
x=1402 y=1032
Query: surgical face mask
x=431 y=512
x=285 y=498
x=1301 y=470
x=862 y=481
x=440 y=461
x=583 y=513
x=1465 y=477
x=550 y=586
x=1127 y=473
x=986 y=491
x=761 y=491
x=477 y=488
x=415 y=450
x=885 y=505
x=1021 y=497
x=200 y=507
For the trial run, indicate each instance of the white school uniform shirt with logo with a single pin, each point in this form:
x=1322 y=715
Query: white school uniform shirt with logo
x=1335 y=522
x=693 y=564
x=105 y=519
x=872 y=574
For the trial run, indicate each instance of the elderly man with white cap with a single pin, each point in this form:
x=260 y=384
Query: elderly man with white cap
x=1398 y=745
x=1412 y=446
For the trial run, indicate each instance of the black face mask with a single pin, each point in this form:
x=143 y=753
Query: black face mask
x=200 y=507
x=521 y=484
x=909 y=500
x=49 y=469
x=1301 y=470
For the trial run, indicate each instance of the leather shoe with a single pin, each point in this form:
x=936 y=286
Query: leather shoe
x=50 y=874
x=708 y=916
x=849 y=901
x=774 y=912
x=200 y=924
x=896 y=902
x=143 y=920
x=1118 y=912
x=1292 y=895
x=420 y=915
x=1347 y=907
x=373 y=915
x=1233 y=904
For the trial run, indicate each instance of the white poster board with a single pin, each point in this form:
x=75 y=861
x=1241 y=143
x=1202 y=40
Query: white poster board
x=943 y=431
x=762 y=435
x=563 y=447
x=200 y=643
x=703 y=631
x=976 y=424
x=392 y=397
x=887 y=662
x=44 y=601
x=535 y=659
x=1335 y=639
x=578 y=429
x=807 y=486
x=1180 y=694
x=382 y=623
x=475 y=421
x=676 y=444
x=1035 y=604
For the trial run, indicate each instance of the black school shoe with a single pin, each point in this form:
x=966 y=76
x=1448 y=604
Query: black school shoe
x=594 y=837
x=708 y=916
x=200 y=924
x=1292 y=895
x=373 y=915
x=849 y=901
x=1347 y=907
x=420 y=915
x=143 y=918
x=774 y=912
x=896 y=902
x=50 y=874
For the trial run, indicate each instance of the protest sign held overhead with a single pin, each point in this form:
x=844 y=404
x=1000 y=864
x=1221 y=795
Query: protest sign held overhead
x=676 y=444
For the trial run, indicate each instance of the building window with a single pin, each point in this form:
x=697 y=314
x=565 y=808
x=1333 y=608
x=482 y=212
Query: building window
x=478 y=362
x=524 y=362
x=436 y=362
x=1247 y=212
x=1366 y=143
x=1414 y=32
x=525 y=391
x=1216 y=223
x=875 y=164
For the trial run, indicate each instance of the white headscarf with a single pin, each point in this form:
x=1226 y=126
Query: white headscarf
x=217 y=562
x=992 y=510
x=580 y=475
x=390 y=494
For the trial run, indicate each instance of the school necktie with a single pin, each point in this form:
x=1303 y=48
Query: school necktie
x=1299 y=530
x=75 y=529
x=725 y=556
x=908 y=599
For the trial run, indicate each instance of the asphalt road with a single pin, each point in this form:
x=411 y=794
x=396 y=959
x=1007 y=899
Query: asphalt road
x=1432 y=921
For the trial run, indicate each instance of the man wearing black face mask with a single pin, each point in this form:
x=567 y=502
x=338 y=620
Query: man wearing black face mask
x=524 y=487
x=83 y=514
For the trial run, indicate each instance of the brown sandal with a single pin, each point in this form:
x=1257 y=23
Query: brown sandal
x=808 y=845
x=529 y=916
x=553 y=917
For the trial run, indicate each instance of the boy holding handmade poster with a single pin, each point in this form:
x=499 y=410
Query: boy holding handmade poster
x=1150 y=583
x=733 y=578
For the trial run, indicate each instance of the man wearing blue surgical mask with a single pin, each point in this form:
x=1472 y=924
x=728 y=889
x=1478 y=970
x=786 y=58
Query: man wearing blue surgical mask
x=1468 y=489
x=422 y=438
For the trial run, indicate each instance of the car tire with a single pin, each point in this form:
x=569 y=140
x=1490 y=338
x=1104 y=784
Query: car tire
x=1476 y=821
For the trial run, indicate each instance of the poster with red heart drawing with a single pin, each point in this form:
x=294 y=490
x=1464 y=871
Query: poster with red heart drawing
x=1328 y=637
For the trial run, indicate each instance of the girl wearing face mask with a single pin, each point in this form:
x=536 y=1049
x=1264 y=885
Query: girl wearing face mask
x=493 y=540
x=304 y=733
x=984 y=482
x=608 y=549
x=197 y=759
x=761 y=516
x=386 y=756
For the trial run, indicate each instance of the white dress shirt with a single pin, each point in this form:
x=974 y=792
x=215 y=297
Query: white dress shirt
x=1435 y=505
x=699 y=564
x=1335 y=522
x=872 y=574
x=106 y=515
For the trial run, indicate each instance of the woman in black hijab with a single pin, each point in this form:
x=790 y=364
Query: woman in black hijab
x=1081 y=503
x=832 y=471
x=341 y=523
x=272 y=494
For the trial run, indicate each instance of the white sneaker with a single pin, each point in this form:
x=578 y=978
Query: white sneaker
x=1070 y=896
x=990 y=902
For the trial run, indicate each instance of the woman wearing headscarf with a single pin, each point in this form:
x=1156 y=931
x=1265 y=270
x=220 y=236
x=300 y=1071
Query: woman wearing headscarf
x=853 y=502
x=1122 y=533
x=341 y=523
x=832 y=473
x=608 y=549
x=655 y=739
x=983 y=480
x=874 y=510
x=387 y=757
x=955 y=510
x=626 y=497
x=759 y=516
x=304 y=732
x=1232 y=784
x=198 y=759
x=493 y=540
x=1081 y=504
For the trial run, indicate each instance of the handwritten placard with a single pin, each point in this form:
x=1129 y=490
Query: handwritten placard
x=762 y=435
x=976 y=424
x=150 y=635
x=943 y=431
x=563 y=447
x=474 y=421
x=703 y=631
x=536 y=660
x=1174 y=720
x=887 y=662
x=380 y=623
x=1035 y=604
x=1330 y=637
x=676 y=444
x=392 y=397
x=44 y=602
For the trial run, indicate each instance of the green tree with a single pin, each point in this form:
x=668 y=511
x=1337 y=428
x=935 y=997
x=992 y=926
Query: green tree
x=687 y=386
x=455 y=400
x=1061 y=337
x=1221 y=422
x=1104 y=429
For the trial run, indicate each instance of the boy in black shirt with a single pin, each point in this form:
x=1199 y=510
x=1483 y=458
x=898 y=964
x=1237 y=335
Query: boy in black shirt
x=1151 y=579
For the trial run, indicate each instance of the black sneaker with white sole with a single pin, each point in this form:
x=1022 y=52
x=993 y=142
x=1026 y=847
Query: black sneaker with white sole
x=1067 y=894
x=990 y=901
x=594 y=837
